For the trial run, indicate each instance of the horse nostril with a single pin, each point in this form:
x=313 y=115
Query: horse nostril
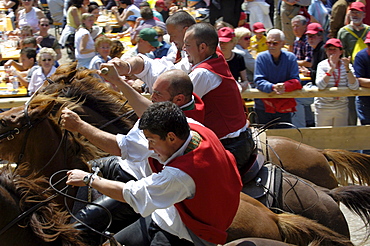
x=3 y=123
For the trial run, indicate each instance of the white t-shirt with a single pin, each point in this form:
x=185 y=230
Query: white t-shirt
x=90 y=44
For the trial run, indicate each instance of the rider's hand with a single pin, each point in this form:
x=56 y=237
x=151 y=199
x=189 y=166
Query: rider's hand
x=70 y=120
x=75 y=177
x=121 y=66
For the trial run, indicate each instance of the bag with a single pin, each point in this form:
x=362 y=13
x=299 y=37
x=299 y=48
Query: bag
x=360 y=45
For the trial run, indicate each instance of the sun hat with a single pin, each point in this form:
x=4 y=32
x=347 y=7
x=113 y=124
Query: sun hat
x=150 y=35
x=258 y=27
x=359 y=6
x=314 y=28
x=334 y=42
x=225 y=34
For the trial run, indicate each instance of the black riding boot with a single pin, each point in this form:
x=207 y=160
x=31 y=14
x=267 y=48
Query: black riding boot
x=97 y=217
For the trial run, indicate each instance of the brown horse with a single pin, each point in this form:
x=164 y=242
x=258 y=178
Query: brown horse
x=314 y=164
x=48 y=225
x=43 y=139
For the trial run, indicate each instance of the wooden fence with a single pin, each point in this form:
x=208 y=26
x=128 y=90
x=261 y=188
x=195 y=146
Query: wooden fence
x=351 y=137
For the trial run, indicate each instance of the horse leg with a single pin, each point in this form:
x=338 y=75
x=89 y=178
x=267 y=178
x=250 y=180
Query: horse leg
x=301 y=160
x=302 y=197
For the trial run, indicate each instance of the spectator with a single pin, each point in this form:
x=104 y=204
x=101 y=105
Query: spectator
x=56 y=8
x=74 y=14
x=29 y=15
x=116 y=49
x=147 y=42
x=128 y=9
x=156 y=14
x=276 y=71
x=226 y=37
x=221 y=24
x=44 y=39
x=160 y=7
x=315 y=38
x=45 y=58
x=26 y=66
x=338 y=15
x=303 y=51
x=228 y=9
x=103 y=47
x=334 y=72
x=13 y=4
x=84 y=42
x=243 y=37
x=289 y=9
x=362 y=72
x=94 y=9
x=130 y=21
x=258 y=41
x=148 y=22
x=349 y=36
x=161 y=50
x=29 y=42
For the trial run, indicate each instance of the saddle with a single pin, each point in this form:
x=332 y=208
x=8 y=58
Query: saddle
x=263 y=181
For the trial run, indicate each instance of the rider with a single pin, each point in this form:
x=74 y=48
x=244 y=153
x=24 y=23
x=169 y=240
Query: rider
x=174 y=199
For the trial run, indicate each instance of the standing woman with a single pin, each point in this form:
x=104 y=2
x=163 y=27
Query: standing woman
x=84 y=43
x=46 y=59
x=74 y=12
x=128 y=9
x=334 y=72
x=29 y=15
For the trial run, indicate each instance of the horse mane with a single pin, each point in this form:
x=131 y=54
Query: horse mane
x=84 y=85
x=50 y=222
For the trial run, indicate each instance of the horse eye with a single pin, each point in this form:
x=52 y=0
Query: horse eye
x=3 y=123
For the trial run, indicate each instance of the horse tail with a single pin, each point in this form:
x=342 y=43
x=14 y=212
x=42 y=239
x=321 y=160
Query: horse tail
x=349 y=166
x=299 y=230
x=356 y=198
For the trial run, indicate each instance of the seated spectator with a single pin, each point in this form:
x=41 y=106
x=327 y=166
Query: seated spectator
x=147 y=42
x=243 y=37
x=128 y=9
x=334 y=72
x=116 y=49
x=74 y=15
x=24 y=69
x=162 y=50
x=235 y=61
x=102 y=46
x=84 y=42
x=29 y=42
x=44 y=39
x=258 y=41
x=94 y=9
x=29 y=15
x=131 y=21
x=160 y=7
x=45 y=58
x=221 y=24
x=276 y=71
x=148 y=22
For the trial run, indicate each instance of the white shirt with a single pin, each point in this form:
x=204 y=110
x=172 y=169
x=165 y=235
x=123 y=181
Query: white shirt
x=90 y=44
x=177 y=184
x=38 y=78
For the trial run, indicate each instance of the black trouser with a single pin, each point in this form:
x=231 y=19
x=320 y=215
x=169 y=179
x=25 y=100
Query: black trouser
x=242 y=148
x=145 y=232
x=228 y=9
x=96 y=217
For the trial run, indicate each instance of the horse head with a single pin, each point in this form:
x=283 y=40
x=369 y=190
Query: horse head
x=46 y=225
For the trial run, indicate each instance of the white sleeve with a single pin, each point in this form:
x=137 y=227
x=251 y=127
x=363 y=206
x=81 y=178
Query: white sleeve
x=159 y=190
x=204 y=81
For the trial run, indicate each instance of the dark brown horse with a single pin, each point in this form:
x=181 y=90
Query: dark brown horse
x=314 y=164
x=48 y=225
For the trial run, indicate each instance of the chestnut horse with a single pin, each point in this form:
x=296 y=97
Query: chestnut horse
x=313 y=164
x=48 y=225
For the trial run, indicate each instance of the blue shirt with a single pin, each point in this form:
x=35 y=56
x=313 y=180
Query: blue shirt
x=361 y=66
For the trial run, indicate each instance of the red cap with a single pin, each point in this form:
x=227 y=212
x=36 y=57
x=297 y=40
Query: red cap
x=258 y=27
x=314 y=28
x=367 y=40
x=225 y=34
x=335 y=42
x=357 y=6
x=160 y=3
x=243 y=16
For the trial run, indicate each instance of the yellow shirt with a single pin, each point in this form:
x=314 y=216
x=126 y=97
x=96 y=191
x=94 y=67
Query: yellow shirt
x=261 y=44
x=70 y=19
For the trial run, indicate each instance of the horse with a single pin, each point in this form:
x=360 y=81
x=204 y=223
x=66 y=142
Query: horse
x=48 y=224
x=39 y=118
x=315 y=165
x=39 y=225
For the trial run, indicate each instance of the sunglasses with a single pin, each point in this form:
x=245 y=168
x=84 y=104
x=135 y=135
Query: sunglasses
x=49 y=59
x=247 y=38
x=272 y=43
x=26 y=0
x=44 y=25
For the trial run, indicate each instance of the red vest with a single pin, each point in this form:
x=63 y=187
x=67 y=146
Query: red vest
x=198 y=112
x=212 y=209
x=224 y=105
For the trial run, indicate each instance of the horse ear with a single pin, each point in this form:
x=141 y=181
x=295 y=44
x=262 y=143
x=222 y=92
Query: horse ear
x=42 y=110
